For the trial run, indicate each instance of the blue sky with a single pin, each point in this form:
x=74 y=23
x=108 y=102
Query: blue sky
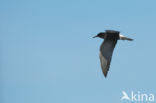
x=48 y=55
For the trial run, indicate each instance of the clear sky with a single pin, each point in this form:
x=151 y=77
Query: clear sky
x=48 y=55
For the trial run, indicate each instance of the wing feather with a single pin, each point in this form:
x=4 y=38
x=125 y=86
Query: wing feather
x=106 y=51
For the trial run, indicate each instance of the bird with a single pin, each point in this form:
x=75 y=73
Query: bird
x=107 y=47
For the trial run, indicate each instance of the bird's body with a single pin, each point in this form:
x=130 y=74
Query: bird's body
x=106 y=50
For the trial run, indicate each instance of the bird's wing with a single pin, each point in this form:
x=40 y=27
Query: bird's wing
x=106 y=51
x=111 y=31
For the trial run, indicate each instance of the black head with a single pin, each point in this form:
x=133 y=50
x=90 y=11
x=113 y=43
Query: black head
x=100 y=35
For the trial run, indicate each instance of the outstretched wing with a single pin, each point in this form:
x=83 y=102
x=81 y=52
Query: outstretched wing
x=106 y=51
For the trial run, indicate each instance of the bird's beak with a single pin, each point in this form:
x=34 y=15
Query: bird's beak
x=95 y=36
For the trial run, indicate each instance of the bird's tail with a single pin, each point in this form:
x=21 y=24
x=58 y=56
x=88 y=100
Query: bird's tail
x=125 y=38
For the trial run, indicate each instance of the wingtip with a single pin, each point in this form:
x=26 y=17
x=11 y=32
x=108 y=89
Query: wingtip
x=105 y=72
x=105 y=75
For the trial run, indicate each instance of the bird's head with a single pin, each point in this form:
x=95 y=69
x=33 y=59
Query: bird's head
x=100 y=35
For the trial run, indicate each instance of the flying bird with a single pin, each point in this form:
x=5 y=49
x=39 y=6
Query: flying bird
x=106 y=49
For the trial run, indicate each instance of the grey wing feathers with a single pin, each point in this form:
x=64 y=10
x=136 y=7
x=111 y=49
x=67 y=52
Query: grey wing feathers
x=104 y=64
x=106 y=51
x=112 y=31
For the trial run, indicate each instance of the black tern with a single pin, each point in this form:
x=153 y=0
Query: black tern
x=106 y=49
